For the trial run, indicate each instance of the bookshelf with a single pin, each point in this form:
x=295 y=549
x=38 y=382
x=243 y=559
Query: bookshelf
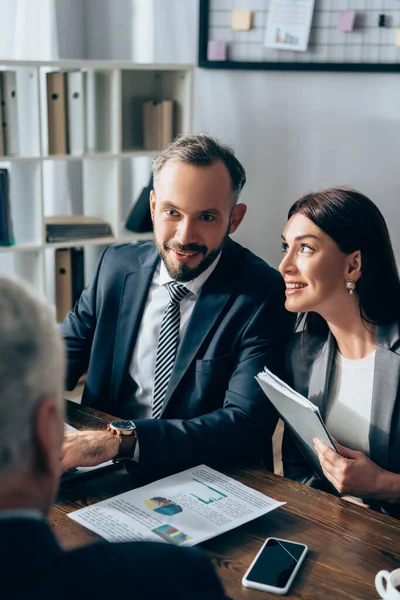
x=101 y=179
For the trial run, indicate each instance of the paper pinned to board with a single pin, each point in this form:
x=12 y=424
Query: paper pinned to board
x=289 y=24
x=217 y=50
x=242 y=20
x=346 y=20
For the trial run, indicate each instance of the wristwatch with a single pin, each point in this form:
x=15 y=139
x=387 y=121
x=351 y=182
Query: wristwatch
x=126 y=431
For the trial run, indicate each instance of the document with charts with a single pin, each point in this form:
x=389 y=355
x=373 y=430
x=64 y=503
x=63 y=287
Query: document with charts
x=183 y=509
x=289 y=24
x=300 y=415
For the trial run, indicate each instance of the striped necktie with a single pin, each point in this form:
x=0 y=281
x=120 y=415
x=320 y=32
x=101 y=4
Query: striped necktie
x=167 y=345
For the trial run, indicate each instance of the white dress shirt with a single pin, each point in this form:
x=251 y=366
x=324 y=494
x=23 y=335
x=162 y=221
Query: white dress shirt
x=144 y=354
x=21 y=513
x=348 y=411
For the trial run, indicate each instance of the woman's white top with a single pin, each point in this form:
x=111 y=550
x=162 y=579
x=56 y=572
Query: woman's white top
x=348 y=413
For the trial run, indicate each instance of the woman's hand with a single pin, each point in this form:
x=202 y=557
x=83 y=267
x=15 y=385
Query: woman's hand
x=353 y=473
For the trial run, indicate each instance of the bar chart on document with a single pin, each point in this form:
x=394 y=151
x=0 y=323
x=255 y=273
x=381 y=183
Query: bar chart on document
x=205 y=493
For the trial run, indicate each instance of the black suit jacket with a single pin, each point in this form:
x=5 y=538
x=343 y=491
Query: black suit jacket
x=33 y=565
x=214 y=409
x=309 y=368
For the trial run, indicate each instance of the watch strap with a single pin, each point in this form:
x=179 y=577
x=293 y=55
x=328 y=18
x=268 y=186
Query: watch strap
x=127 y=447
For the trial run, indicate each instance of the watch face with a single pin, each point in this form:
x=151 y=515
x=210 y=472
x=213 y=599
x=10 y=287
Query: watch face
x=124 y=425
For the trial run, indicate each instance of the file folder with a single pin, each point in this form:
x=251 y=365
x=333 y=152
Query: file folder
x=10 y=122
x=63 y=283
x=1 y=117
x=76 y=95
x=56 y=113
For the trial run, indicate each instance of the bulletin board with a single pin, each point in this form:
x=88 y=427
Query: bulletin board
x=368 y=47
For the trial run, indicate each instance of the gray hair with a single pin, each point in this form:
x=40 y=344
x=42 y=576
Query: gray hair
x=32 y=368
x=202 y=150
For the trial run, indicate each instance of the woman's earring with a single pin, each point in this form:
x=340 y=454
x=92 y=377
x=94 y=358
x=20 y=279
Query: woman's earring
x=350 y=285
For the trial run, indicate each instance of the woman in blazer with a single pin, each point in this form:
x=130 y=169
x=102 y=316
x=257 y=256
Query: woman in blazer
x=341 y=277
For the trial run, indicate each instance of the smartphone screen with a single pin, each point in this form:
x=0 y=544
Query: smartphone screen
x=276 y=563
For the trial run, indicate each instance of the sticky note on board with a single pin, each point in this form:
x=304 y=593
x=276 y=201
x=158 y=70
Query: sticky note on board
x=241 y=20
x=397 y=38
x=346 y=20
x=217 y=50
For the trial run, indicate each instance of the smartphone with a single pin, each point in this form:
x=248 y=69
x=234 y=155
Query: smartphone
x=275 y=566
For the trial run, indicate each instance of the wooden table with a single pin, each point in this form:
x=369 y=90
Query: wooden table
x=348 y=544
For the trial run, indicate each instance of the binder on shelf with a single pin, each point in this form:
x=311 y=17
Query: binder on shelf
x=148 y=109
x=167 y=122
x=132 y=129
x=10 y=117
x=78 y=273
x=1 y=116
x=139 y=217
x=158 y=124
x=28 y=108
x=69 y=279
x=6 y=227
x=99 y=107
x=56 y=113
x=76 y=103
x=3 y=210
x=75 y=227
x=63 y=283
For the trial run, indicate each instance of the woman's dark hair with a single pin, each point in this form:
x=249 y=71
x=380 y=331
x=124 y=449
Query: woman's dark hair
x=354 y=222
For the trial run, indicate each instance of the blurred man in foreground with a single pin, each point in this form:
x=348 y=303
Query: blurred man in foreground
x=32 y=564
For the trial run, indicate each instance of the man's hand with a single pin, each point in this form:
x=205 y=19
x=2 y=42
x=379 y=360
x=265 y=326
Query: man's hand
x=88 y=448
x=351 y=472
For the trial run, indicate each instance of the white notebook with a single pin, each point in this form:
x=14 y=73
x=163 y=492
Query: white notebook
x=300 y=415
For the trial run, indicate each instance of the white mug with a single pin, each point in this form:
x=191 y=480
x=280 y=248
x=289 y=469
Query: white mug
x=386 y=583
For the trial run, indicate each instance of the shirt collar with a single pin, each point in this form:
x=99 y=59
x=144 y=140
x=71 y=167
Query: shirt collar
x=22 y=513
x=194 y=285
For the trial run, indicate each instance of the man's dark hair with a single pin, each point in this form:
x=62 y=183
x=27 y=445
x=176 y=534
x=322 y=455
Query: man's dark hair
x=202 y=150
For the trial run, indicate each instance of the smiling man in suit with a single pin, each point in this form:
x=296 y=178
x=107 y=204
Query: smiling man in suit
x=32 y=564
x=172 y=333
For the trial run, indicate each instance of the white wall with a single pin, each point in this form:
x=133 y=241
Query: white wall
x=295 y=132
x=71 y=28
x=108 y=29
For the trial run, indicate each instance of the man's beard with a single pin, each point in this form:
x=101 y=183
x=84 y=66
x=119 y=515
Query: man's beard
x=182 y=272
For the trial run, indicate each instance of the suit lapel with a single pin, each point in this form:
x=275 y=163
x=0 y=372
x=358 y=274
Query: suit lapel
x=385 y=390
x=133 y=297
x=385 y=387
x=211 y=301
x=320 y=375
